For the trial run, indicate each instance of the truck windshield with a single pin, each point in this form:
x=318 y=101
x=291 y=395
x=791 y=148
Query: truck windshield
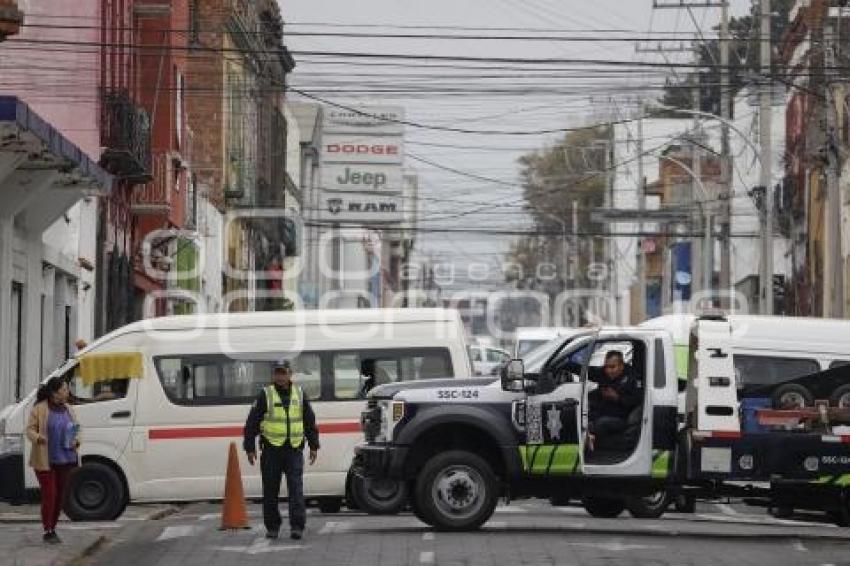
x=536 y=358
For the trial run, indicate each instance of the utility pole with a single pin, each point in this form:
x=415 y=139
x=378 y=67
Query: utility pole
x=832 y=276
x=766 y=178
x=641 y=189
x=726 y=154
x=724 y=210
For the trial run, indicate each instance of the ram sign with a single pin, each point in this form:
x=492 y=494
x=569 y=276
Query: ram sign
x=385 y=150
x=377 y=120
x=363 y=177
x=360 y=208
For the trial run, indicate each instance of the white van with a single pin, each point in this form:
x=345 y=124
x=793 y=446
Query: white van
x=160 y=401
x=772 y=350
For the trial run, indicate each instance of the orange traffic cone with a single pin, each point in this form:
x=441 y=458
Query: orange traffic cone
x=234 y=513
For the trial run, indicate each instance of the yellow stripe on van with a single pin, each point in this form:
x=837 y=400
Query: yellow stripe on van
x=661 y=465
x=565 y=459
x=94 y=368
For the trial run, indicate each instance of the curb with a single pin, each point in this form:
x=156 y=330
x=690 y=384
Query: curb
x=163 y=513
x=88 y=552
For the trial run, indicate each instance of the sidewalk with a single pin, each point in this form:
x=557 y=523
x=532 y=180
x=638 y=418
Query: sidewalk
x=21 y=543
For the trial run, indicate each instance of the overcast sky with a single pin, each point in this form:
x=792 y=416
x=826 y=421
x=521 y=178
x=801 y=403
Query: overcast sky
x=547 y=103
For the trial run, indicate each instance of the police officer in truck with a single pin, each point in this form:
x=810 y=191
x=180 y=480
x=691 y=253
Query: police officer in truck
x=283 y=419
x=618 y=394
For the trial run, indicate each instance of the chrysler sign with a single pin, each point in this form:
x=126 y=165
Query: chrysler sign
x=383 y=120
x=360 y=208
x=362 y=149
x=362 y=177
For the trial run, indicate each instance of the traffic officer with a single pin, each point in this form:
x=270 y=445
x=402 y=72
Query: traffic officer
x=283 y=419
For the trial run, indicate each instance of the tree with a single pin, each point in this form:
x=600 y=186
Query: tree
x=553 y=178
x=744 y=60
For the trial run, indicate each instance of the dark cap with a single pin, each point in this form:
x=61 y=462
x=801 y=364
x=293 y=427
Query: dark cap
x=282 y=363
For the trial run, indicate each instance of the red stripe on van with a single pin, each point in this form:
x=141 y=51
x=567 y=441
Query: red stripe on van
x=237 y=431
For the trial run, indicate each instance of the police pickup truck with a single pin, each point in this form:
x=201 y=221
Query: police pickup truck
x=459 y=446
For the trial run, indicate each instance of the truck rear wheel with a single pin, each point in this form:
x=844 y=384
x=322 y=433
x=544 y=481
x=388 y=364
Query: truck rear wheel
x=378 y=496
x=456 y=491
x=603 y=507
x=650 y=506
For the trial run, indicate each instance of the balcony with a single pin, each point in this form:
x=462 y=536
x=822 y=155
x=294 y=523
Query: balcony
x=11 y=18
x=125 y=133
x=165 y=194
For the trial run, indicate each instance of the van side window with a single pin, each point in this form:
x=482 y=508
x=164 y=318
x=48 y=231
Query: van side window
x=839 y=363
x=220 y=380
x=82 y=394
x=355 y=373
x=769 y=370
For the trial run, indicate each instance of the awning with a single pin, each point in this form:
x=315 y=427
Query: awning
x=42 y=172
x=94 y=368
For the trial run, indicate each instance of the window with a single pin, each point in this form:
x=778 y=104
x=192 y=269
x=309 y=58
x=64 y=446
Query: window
x=17 y=336
x=496 y=356
x=764 y=370
x=219 y=380
x=475 y=354
x=839 y=363
x=351 y=369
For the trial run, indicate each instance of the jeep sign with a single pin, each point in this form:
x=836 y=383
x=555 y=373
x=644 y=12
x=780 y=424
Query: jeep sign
x=365 y=177
x=358 y=208
x=362 y=149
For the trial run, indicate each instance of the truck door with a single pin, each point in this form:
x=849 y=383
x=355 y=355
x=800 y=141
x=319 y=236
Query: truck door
x=552 y=415
x=617 y=406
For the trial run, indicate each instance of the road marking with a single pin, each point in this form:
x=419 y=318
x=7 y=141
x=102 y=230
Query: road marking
x=260 y=546
x=510 y=509
x=572 y=510
x=178 y=531
x=335 y=527
x=799 y=546
x=92 y=526
x=496 y=525
x=726 y=509
x=426 y=557
x=428 y=536
x=615 y=546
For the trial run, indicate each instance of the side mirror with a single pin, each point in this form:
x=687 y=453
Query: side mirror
x=513 y=374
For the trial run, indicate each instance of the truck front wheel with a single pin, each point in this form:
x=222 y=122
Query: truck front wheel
x=457 y=491
x=603 y=507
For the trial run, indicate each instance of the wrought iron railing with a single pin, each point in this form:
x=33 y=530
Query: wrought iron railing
x=125 y=133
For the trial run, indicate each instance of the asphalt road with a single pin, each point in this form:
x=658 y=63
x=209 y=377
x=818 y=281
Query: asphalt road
x=523 y=533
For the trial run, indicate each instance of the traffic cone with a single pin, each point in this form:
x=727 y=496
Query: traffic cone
x=234 y=513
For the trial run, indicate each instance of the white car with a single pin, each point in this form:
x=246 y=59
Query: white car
x=486 y=360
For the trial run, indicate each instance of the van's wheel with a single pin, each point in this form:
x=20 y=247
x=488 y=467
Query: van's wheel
x=378 y=496
x=792 y=396
x=603 y=507
x=650 y=506
x=330 y=505
x=95 y=493
x=841 y=397
x=457 y=490
x=685 y=503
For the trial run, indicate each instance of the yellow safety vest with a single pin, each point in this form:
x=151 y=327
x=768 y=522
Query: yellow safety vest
x=281 y=423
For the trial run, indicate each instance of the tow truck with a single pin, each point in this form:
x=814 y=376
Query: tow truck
x=457 y=448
